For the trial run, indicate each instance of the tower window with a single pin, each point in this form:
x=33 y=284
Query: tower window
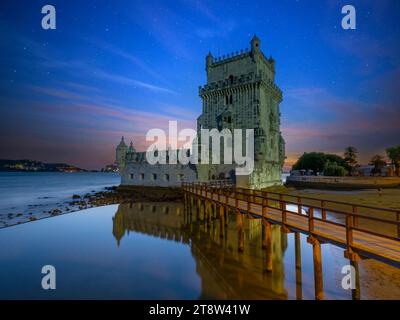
x=142 y=176
x=131 y=176
x=167 y=177
x=154 y=176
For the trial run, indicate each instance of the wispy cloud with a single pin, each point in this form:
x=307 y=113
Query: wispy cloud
x=136 y=61
x=129 y=81
x=48 y=59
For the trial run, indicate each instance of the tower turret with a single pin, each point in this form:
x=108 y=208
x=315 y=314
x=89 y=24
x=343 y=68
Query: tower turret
x=255 y=44
x=131 y=149
x=209 y=60
x=120 y=155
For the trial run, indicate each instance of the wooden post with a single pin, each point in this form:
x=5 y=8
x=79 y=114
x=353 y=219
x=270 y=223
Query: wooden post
x=239 y=221
x=310 y=220
x=398 y=224
x=203 y=207
x=263 y=235
x=299 y=294
x=323 y=211
x=283 y=208
x=198 y=209
x=356 y=293
x=264 y=207
x=349 y=236
x=268 y=244
x=209 y=214
x=299 y=205
x=221 y=221
x=355 y=218
x=317 y=259
x=284 y=214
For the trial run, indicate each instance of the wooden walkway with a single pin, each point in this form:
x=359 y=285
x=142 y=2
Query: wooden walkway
x=313 y=220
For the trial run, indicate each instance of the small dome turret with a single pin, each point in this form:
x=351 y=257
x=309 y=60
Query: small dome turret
x=122 y=143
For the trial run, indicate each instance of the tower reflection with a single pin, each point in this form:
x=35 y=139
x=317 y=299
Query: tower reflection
x=227 y=246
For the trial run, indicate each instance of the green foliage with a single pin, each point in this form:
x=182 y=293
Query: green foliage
x=338 y=159
x=350 y=156
x=393 y=154
x=378 y=162
x=316 y=161
x=334 y=170
x=310 y=161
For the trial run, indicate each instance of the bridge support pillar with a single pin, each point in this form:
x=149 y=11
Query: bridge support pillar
x=317 y=259
x=221 y=221
x=297 y=245
x=267 y=244
x=356 y=292
x=240 y=228
x=209 y=212
x=199 y=204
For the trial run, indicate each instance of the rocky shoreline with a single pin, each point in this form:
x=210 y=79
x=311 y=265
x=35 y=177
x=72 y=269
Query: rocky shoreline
x=108 y=196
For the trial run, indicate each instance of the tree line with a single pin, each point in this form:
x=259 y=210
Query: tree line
x=335 y=165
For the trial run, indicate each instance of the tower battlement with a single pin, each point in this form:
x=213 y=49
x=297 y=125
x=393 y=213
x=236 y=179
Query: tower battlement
x=240 y=63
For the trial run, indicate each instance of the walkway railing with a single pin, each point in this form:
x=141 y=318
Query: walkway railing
x=362 y=230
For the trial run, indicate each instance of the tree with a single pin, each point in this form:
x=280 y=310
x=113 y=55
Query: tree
x=393 y=154
x=338 y=159
x=334 y=170
x=316 y=161
x=350 y=156
x=311 y=161
x=378 y=162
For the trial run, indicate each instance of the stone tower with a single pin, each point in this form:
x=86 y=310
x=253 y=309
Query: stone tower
x=120 y=155
x=241 y=94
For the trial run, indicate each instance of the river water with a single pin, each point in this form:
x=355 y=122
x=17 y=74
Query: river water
x=155 y=251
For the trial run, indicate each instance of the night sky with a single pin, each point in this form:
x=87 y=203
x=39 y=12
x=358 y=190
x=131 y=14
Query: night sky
x=114 y=68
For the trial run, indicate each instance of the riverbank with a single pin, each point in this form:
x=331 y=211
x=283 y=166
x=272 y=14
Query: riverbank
x=385 y=198
x=342 y=183
x=77 y=202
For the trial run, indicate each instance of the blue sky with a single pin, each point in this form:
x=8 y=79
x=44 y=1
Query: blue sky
x=114 y=68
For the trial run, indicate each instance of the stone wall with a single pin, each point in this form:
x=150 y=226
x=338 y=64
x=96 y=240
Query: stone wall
x=161 y=175
x=343 y=182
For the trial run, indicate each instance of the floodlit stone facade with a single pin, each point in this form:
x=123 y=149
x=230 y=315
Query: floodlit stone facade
x=240 y=93
x=136 y=171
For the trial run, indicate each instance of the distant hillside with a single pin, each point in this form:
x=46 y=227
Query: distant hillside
x=26 y=165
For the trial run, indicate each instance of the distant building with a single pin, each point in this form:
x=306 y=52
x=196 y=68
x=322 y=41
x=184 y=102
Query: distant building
x=240 y=94
x=366 y=171
x=110 y=168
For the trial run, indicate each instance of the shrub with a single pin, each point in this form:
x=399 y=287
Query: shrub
x=334 y=170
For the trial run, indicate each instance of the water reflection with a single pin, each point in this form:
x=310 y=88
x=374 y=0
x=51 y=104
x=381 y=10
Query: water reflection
x=233 y=258
x=161 y=251
x=225 y=272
